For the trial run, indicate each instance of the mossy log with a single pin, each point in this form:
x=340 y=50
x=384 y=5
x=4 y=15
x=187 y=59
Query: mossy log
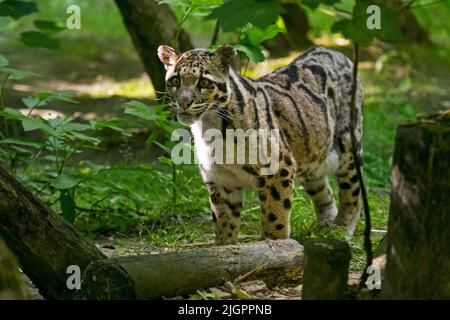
x=44 y=243
x=179 y=273
x=326 y=269
x=418 y=251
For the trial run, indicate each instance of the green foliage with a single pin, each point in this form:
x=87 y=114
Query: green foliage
x=48 y=27
x=313 y=4
x=195 y=7
x=17 y=9
x=252 y=39
x=35 y=39
x=356 y=29
x=236 y=14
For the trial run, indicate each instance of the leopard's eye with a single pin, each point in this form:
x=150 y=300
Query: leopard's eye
x=204 y=83
x=175 y=82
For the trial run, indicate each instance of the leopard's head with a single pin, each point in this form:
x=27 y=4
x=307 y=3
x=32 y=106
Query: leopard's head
x=197 y=80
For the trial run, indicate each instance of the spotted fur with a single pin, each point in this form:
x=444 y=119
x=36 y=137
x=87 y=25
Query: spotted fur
x=308 y=101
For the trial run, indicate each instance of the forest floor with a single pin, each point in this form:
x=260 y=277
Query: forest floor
x=401 y=83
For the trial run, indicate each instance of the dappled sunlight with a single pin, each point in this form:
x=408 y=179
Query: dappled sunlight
x=136 y=88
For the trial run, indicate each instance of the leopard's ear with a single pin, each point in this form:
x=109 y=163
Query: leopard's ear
x=226 y=55
x=167 y=55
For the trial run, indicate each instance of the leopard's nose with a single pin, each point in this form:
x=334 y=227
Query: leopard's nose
x=185 y=102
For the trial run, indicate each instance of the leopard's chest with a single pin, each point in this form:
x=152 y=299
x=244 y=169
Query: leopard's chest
x=214 y=167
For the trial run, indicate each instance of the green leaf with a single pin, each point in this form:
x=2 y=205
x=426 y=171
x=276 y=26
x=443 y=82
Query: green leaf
x=236 y=14
x=23 y=142
x=30 y=102
x=65 y=181
x=256 y=35
x=64 y=95
x=313 y=4
x=12 y=114
x=73 y=126
x=35 y=39
x=141 y=110
x=5 y=22
x=44 y=95
x=110 y=124
x=16 y=74
x=17 y=9
x=3 y=61
x=30 y=124
x=67 y=204
x=252 y=52
x=82 y=137
x=48 y=27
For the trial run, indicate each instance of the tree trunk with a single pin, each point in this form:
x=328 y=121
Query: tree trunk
x=297 y=27
x=326 y=269
x=418 y=253
x=11 y=284
x=149 y=26
x=44 y=243
x=178 y=273
x=407 y=22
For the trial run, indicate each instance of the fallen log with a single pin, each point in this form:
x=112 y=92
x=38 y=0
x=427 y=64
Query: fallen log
x=44 y=243
x=418 y=251
x=11 y=282
x=178 y=273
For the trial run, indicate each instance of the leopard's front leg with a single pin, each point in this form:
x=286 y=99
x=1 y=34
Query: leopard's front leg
x=275 y=193
x=226 y=206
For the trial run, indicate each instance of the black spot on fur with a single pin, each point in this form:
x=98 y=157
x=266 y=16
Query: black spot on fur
x=285 y=183
x=288 y=161
x=227 y=190
x=274 y=193
x=279 y=226
x=222 y=86
x=272 y=217
x=284 y=173
x=330 y=93
x=354 y=179
x=230 y=234
x=351 y=166
x=344 y=185
x=232 y=226
x=237 y=214
x=215 y=198
x=313 y=192
x=262 y=197
x=213 y=216
x=287 y=203
x=356 y=192
x=341 y=145
x=261 y=182
x=231 y=206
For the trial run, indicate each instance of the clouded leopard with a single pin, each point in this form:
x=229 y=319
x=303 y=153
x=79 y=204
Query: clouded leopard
x=308 y=101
